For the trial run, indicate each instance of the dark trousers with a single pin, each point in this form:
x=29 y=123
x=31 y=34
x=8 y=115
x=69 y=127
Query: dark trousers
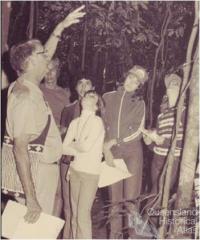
x=128 y=189
x=156 y=171
x=65 y=186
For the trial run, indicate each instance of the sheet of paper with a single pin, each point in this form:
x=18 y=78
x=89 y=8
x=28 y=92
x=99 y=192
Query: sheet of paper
x=110 y=175
x=14 y=226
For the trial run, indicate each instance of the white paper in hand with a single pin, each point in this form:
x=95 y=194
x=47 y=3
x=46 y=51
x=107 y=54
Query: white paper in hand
x=14 y=226
x=110 y=175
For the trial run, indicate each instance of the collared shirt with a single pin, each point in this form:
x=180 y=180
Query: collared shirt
x=88 y=132
x=27 y=113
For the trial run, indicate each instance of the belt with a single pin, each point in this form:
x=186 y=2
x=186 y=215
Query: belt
x=51 y=163
x=56 y=163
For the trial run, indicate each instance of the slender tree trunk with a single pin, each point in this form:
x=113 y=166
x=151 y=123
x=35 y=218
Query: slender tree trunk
x=6 y=7
x=190 y=153
x=36 y=13
x=111 y=8
x=84 y=46
x=167 y=182
x=153 y=81
x=30 y=27
x=189 y=159
x=105 y=72
x=170 y=158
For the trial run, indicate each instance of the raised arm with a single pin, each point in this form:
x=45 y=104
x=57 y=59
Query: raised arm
x=72 y=18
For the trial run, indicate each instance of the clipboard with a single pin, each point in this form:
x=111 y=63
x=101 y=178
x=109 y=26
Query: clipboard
x=15 y=227
x=110 y=175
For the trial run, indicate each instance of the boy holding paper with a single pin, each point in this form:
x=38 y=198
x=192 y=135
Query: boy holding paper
x=124 y=119
x=159 y=140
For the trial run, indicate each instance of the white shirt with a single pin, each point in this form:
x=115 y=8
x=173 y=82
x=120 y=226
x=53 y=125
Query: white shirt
x=87 y=132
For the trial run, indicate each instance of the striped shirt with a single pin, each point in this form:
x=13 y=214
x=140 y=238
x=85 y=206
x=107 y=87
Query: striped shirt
x=165 y=125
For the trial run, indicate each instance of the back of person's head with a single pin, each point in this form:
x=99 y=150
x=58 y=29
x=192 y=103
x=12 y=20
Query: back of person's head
x=19 y=55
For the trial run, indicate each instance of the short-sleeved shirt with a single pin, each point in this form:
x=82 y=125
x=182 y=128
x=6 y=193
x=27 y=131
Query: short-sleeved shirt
x=57 y=99
x=27 y=113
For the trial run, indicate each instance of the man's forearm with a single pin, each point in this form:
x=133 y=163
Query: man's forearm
x=24 y=171
x=72 y=18
x=52 y=42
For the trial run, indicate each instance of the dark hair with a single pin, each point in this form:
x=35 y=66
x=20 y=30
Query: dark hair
x=20 y=53
x=80 y=79
x=100 y=103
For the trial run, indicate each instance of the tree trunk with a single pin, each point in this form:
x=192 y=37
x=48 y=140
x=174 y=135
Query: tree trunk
x=105 y=72
x=189 y=159
x=30 y=27
x=170 y=158
x=190 y=154
x=6 y=7
x=156 y=60
x=36 y=16
x=84 y=47
x=105 y=68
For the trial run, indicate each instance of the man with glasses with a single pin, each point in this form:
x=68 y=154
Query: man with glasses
x=32 y=143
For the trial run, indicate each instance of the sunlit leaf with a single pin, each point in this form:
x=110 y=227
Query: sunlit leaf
x=170 y=32
x=144 y=5
x=141 y=37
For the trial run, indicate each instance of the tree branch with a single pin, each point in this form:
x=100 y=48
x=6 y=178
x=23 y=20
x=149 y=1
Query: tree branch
x=152 y=83
x=84 y=43
x=170 y=157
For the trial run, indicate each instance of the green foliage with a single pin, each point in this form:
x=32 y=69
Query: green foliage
x=118 y=35
x=19 y=18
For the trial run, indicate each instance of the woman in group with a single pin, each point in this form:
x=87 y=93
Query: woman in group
x=124 y=119
x=84 y=140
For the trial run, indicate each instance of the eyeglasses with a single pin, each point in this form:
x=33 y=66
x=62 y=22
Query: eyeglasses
x=42 y=52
